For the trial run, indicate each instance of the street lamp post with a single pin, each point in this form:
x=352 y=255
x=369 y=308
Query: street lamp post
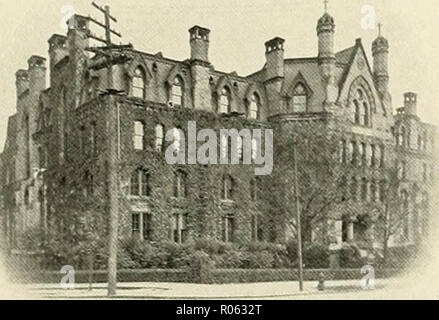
x=298 y=217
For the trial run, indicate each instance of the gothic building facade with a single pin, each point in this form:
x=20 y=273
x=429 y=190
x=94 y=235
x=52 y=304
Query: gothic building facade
x=55 y=169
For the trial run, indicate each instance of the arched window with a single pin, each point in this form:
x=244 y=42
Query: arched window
x=300 y=98
x=140 y=183
x=180 y=187
x=225 y=101
x=139 y=83
x=365 y=114
x=373 y=191
x=363 y=156
x=159 y=136
x=362 y=108
x=177 y=92
x=227 y=188
x=254 y=109
x=352 y=152
x=240 y=146
x=255 y=146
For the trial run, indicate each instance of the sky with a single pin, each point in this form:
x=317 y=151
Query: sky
x=239 y=29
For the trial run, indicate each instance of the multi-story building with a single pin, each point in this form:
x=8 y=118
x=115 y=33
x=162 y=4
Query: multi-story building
x=55 y=164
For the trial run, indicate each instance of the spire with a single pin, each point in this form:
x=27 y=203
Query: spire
x=380 y=25
x=326 y=5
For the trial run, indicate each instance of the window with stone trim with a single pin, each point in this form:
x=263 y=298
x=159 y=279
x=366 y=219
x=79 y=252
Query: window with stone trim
x=139 y=135
x=300 y=98
x=138 y=83
x=140 y=183
x=362 y=108
x=180 y=184
x=227 y=190
x=364 y=189
x=254 y=189
x=228 y=230
x=255 y=106
x=405 y=212
x=354 y=188
x=141 y=226
x=256 y=227
x=177 y=92
x=179 y=228
x=159 y=137
x=225 y=101
x=342 y=151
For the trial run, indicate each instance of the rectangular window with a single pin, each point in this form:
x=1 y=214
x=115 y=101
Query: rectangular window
x=135 y=222
x=256 y=229
x=228 y=229
x=147 y=226
x=139 y=134
x=179 y=227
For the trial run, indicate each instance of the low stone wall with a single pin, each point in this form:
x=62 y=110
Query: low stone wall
x=208 y=276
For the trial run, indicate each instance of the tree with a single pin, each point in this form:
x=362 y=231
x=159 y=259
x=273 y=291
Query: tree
x=321 y=178
x=392 y=210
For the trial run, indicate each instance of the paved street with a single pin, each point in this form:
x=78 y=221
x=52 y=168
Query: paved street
x=384 y=289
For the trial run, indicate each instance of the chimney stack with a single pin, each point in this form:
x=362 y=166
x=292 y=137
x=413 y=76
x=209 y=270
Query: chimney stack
x=410 y=103
x=57 y=49
x=274 y=54
x=37 y=74
x=199 y=41
x=22 y=81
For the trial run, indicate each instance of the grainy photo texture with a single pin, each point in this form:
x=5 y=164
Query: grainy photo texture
x=138 y=164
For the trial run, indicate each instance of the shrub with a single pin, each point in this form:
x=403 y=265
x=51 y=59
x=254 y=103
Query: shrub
x=350 y=257
x=316 y=256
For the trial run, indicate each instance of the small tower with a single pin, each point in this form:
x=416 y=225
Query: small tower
x=274 y=53
x=326 y=56
x=410 y=103
x=199 y=41
x=325 y=33
x=380 y=53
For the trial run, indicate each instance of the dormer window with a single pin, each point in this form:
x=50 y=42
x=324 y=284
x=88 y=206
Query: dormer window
x=177 y=92
x=139 y=83
x=300 y=98
x=224 y=101
x=254 y=109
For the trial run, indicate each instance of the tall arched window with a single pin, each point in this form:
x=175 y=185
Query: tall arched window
x=225 y=101
x=140 y=183
x=354 y=188
x=254 y=109
x=159 y=136
x=300 y=98
x=362 y=107
x=364 y=187
x=139 y=83
x=177 y=92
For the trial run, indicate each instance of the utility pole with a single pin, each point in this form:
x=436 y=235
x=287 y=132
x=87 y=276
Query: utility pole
x=298 y=218
x=112 y=117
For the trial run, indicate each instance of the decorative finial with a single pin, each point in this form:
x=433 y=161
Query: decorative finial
x=326 y=5
x=380 y=25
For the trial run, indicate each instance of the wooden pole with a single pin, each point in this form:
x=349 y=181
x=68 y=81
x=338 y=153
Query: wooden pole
x=298 y=218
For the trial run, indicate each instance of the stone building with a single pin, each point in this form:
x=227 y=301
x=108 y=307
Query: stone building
x=54 y=167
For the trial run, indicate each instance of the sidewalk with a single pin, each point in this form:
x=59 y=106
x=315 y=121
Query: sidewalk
x=180 y=291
